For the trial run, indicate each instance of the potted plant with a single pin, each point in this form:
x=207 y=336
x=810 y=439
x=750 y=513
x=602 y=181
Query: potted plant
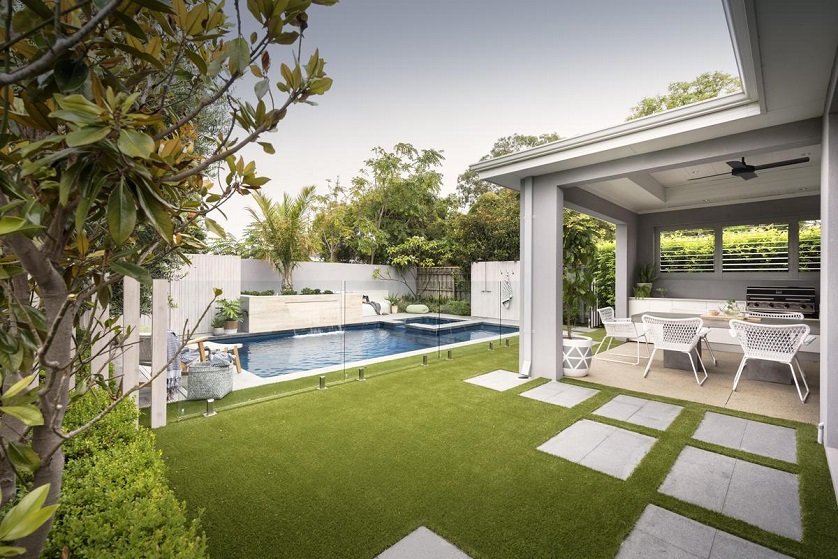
x=645 y=276
x=579 y=247
x=217 y=325
x=230 y=310
x=394 y=301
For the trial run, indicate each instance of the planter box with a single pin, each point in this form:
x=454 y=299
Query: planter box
x=291 y=312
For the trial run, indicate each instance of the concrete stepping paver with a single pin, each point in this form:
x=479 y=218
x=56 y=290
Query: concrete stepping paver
x=560 y=394
x=648 y=413
x=423 y=543
x=764 y=497
x=601 y=447
x=499 y=380
x=751 y=436
x=662 y=533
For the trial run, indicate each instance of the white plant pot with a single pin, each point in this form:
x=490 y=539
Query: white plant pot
x=577 y=354
x=218 y=331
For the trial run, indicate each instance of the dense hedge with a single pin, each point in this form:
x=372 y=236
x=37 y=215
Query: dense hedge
x=115 y=500
x=605 y=274
x=746 y=247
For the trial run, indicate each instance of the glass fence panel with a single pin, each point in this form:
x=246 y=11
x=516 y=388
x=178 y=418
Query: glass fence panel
x=329 y=333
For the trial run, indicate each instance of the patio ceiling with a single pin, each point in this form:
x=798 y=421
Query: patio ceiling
x=786 y=52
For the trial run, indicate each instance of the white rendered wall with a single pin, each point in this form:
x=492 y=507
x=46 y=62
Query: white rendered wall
x=829 y=293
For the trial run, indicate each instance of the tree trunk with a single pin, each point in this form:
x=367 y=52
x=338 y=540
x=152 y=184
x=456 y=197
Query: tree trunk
x=54 y=397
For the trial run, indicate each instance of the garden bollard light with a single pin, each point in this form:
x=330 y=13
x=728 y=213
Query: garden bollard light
x=450 y=355
x=506 y=342
x=424 y=360
x=322 y=383
x=210 y=408
x=491 y=346
x=361 y=373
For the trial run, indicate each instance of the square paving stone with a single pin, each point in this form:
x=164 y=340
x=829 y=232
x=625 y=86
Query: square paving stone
x=604 y=448
x=560 y=394
x=751 y=436
x=499 y=380
x=649 y=413
x=664 y=534
x=758 y=495
x=423 y=543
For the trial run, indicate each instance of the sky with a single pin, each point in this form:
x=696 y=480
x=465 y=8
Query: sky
x=456 y=75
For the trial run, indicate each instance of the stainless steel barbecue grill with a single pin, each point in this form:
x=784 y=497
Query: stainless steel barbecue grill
x=782 y=299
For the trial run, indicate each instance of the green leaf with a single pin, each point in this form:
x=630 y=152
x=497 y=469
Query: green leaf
x=132 y=270
x=156 y=6
x=19 y=386
x=87 y=135
x=27 y=516
x=10 y=224
x=239 y=53
x=267 y=147
x=131 y=26
x=261 y=88
x=122 y=214
x=214 y=227
x=28 y=415
x=217 y=291
x=23 y=457
x=157 y=214
x=135 y=144
x=11 y=551
x=70 y=74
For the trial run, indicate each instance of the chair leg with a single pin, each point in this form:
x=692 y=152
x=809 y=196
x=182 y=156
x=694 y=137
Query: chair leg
x=803 y=397
x=695 y=372
x=649 y=364
x=739 y=373
x=710 y=349
x=238 y=360
x=602 y=343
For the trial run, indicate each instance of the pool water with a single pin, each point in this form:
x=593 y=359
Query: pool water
x=280 y=354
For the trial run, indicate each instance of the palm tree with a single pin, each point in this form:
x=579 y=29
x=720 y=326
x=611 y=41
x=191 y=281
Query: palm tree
x=282 y=229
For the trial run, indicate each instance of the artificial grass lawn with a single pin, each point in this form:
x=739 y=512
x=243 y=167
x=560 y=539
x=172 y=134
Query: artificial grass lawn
x=349 y=471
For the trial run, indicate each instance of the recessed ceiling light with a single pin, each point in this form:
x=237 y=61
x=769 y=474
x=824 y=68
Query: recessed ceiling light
x=807 y=154
x=802 y=189
x=706 y=200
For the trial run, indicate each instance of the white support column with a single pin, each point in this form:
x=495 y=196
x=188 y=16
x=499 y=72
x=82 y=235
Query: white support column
x=541 y=266
x=625 y=260
x=159 y=326
x=131 y=318
x=526 y=269
x=829 y=292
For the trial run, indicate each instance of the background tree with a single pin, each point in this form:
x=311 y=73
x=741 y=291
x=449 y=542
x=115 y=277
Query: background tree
x=469 y=185
x=280 y=232
x=332 y=229
x=706 y=86
x=395 y=197
x=101 y=114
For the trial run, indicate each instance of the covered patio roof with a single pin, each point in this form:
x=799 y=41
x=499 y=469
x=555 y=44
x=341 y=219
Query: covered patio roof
x=785 y=52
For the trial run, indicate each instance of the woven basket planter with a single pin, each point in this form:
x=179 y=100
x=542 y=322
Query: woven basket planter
x=209 y=381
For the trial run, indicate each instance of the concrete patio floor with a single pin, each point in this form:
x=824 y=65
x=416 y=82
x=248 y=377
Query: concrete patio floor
x=752 y=396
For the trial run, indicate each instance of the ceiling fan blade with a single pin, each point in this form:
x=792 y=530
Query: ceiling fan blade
x=709 y=177
x=782 y=163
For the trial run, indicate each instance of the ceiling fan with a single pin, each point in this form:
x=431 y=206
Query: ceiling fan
x=747 y=172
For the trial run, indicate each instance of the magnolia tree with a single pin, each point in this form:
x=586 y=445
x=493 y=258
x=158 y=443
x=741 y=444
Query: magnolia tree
x=105 y=106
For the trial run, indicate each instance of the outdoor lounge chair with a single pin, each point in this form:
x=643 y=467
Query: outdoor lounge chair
x=675 y=334
x=620 y=328
x=771 y=342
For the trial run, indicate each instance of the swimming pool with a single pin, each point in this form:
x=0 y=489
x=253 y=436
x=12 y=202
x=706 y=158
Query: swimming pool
x=283 y=353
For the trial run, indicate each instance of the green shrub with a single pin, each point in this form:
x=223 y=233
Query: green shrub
x=288 y=292
x=264 y=293
x=309 y=291
x=462 y=308
x=605 y=273
x=115 y=499
x=328 y=292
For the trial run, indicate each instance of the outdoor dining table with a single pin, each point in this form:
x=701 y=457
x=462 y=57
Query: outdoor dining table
x=755 y=369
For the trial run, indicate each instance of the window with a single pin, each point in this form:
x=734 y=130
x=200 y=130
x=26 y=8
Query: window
x=687 y=250
x=755 y=248
x=809 y=234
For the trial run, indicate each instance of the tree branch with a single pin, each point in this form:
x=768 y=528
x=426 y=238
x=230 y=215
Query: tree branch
x=61 y=46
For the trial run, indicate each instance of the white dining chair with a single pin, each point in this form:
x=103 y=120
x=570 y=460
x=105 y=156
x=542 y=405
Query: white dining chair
x=620 y=328
x=771 y=342
x=675 y=334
